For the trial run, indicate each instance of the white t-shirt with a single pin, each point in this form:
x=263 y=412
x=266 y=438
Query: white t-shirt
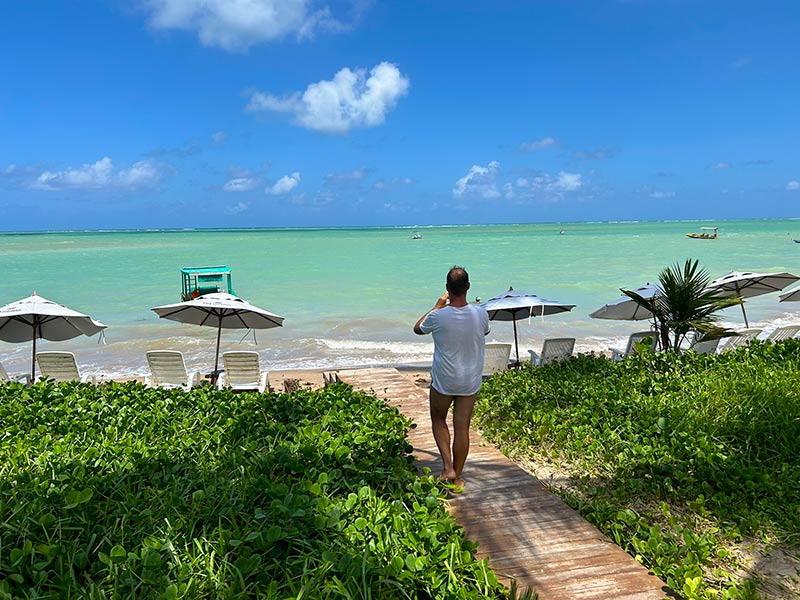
x=458 y=346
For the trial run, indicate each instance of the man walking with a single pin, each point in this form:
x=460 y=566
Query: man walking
x=458 y=329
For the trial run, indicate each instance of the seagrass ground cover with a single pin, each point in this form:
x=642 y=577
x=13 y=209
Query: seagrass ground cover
x=118 y=491
x=681 y=459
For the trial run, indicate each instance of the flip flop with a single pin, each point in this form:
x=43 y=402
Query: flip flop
x=451 y=487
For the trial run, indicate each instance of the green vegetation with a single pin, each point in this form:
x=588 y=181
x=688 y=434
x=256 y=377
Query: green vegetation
x=676 y=458
x=119 y=491
x=684 y=304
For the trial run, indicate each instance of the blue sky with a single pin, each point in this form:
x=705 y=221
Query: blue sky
x=261 y=113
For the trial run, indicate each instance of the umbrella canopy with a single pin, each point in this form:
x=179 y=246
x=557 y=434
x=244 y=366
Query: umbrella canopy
x=223 y=311
x=35 y=317
x=513 y=305
x=626 y=308
x=747 y=285
x=791 y=296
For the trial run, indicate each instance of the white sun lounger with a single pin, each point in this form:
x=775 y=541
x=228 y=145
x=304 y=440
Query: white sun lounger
x=60 y=366
x=553 y=350
x=6 y=378
x=701 y=346
x=630 y=348
x=784 y=333
x=168 y=370
x=495 y=358
x=243 y=372
x=742 y=338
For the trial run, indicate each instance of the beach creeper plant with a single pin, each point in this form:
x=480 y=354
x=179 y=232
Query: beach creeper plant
x=120 y=491
x=684 y=304
x=687 y=461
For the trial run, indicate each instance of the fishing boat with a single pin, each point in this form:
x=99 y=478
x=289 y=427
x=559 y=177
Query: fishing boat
x=199 y=281
x=706 y=233
x=416 y=236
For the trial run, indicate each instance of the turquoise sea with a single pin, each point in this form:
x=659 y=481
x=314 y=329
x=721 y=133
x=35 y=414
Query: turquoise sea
x=351 y=296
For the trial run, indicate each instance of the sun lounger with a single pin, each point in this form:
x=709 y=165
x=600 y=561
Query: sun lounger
x=784 y=333
x=6 y=378
x=243 y=372
x=635 y=338
x=702 y=346
x=553 y=350
x=60 y=366
x=168 y=370
x=742 y=338
x=495 y=358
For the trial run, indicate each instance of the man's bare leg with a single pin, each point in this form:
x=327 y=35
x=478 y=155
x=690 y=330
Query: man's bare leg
x=462 y=415
x=440 y=405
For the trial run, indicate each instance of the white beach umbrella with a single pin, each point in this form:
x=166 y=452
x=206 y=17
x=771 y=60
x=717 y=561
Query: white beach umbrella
x=223 y=311
x=747 y=285
x=626 y=308
x=790 y=296
x=513 y=306
x=35 y=317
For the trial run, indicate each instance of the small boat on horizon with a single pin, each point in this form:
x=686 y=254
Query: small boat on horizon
x=705 y=234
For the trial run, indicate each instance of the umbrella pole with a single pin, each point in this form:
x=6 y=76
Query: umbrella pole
x=746 y=324
x=214 y=375
x=516 y=341
x=33 y=357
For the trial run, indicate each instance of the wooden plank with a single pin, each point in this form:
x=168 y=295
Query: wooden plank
x=527 y=533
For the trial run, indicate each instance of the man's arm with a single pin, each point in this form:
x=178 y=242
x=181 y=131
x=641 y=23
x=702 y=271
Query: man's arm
x=440 y=303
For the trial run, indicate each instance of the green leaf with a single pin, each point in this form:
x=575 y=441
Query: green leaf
x=274 y=533
x=76 y=498
x=411 y=562
x=118 y=554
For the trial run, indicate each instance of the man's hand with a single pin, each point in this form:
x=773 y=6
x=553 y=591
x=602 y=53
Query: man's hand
x=442 y=301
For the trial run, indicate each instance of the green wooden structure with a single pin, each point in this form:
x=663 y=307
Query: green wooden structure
x=199 y=281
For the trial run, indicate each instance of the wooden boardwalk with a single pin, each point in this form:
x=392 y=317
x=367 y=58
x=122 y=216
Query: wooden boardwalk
x=527 y=533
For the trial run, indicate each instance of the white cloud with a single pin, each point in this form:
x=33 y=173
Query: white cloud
x=239 y=24
x=383 y=184
x=348 y=178
x=719 y=166
x=479 y=181
x=241 y=184
x=541 y=144
x=101 y=175
x=284 y=185
x=567 y=182
x=349 y=100
x=483 y=182
x=218 y=137
x=10 y=169
x=659 y=195
x=793 y=185
x=238 y=208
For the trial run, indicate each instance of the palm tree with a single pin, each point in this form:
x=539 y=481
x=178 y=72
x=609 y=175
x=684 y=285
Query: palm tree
x=683 y=304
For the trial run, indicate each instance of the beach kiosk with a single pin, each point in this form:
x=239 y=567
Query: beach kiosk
x=199 y=281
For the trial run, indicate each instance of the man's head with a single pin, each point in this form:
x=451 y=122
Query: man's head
x=457 y=282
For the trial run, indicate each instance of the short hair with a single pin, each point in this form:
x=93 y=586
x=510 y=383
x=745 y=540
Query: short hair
x=457 y=281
